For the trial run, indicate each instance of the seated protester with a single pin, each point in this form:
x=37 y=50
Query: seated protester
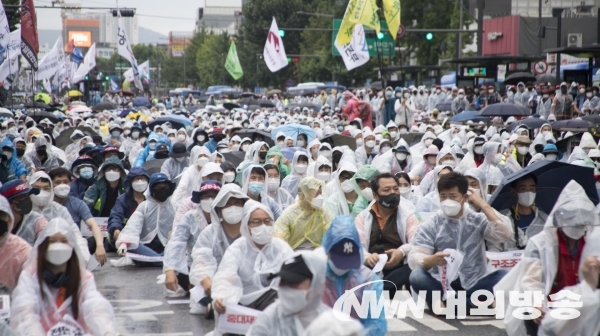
x=345 y=270
x=131 y=136
x=521 y=151
x=406 y=189
x=303 y=224
x=299 y=167
x=446 y=157
x=431 y=201
x=177 y=161
x=199 y=137
x=6 y=174
x=388 y=226
x=54 y=283
x=61 y=180
x=228 y=172
x=86 y=146
x=147 y=154
x=14 y=251
x=136 y=184
x=147 y=230
x=362 y=183
x=189 y=181
x=175 y=264
x=226 y=219
x=402 y=156
x=456 y=224
x=110 y=151
x=247 y=260
x=96 y=154
x=14 y=164
x=102 y=195
x=280 y=195
x=275 y=157
x=478 y=156
x=253 y=184
x=429 y=162
x=42 y=157
x=115 y=137
x=343 y=197
x=214 y=137
x=322 y=169
x=527 y=220
x=20 y=148
x=216 y=156
x=85 y=170
x=300 y=294
x=26 y=224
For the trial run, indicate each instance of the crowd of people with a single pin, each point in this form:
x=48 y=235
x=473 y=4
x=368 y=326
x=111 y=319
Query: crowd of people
x=297 y=223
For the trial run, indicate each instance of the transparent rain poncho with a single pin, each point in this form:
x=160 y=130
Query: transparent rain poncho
x=264 y=197
x=302 y=222
x=274 y=322
x=190 y=180
x=14 y=251
x=245 y=268
x=337 y=203
x=416 y=151
x=212 y=242
x=466 y=234
x=34 y=314
x=275 y=155
x=290 y=182
x=365 y=173
x=490 y=165
x=426 y=184
x=341 y=228
x=431 y=202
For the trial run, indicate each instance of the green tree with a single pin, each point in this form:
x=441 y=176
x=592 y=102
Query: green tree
x=210 y=61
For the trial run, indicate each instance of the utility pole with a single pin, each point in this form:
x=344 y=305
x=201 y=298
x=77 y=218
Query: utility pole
x=540 y=26
x=459 y=35
x=480 y=9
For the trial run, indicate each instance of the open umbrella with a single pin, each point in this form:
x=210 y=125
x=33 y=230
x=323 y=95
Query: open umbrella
x=265 y=103
x=517 y=77
x=104 y=106
x=124 y=113
x=444 y=107
x=503 y=110
x=176 y=121
x=248 y=100
x=140 y=101
x=573 y=125
x=74 y=93
x=127 y=93
x=80 y=109
x=340 y=140
x=38 y=105
x=552 y=177
x=230 y=106
x=256 y=135
x=468 y=115
x=42 y=96
x=64 y=138
x=288 y=152
x=412 y=138
x=594 y=119
x=37 y=116
x=248 y=94
x=293 y=130
x=234 y=157
x=274 y=91
x=545 y=79
x=531 y=123
x=6 y=113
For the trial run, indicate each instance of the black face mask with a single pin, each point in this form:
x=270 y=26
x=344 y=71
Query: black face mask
x=563 y=90
x=336 y=158
x=262 y=155
x=40 y=152
x=390 y=201
x=3 y=227
x=161 y=155
x=24 y=206
x=54 y=280
x=29 y=124
x=161 y=194
x=20 y=152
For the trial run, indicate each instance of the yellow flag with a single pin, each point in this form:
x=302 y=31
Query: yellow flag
x=391 y=10
x=358 y=11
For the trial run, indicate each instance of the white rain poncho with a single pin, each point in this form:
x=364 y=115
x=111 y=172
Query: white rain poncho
x=190 y=180
x=245 y=268
x=316 y=143
x=337 y=203
x=212 y=242
x=150 y=218
x=466 y=235
x=54 y=210
x=417 y=151
x=362 y=158
x=427 y=184
x=264 y=197
x=51 y=161
x=282 y=197
x=172 y=168
x=539 y=264
x=290 y=182
x=468 y=160
x=31 y=225
x=328 y=324
x=587 y=142
x=274 y=322
x=14 y=251
x=489 y=165
x=431 y=202
x=34 y=314
x=321 y=161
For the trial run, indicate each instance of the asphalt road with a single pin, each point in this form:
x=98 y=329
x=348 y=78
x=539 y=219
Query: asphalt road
x=141 y=308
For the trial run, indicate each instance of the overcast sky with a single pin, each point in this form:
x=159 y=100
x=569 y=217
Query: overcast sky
x=162 y=16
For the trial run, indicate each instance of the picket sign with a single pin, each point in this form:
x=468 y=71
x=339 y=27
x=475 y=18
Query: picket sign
x=503 y=260
x=237 y=319
x=102 y=224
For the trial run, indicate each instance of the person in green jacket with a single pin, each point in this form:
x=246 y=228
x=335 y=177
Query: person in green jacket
x=102 y=195
x=362 y=185
x=275 y=157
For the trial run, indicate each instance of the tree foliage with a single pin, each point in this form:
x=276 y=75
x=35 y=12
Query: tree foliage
x=210 y=61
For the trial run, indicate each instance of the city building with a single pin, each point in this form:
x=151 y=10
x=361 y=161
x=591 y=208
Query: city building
x=220 y=16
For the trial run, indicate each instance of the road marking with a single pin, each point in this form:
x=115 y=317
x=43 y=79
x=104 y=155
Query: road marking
x=175 y=302
x=399 y=325
x=431 y=322
x=147 y=316
x=496 y=323
x=140 y=304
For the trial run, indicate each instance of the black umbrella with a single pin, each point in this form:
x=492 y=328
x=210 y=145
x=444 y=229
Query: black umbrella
x=104 y=106
x=340 y=140
x=37 y=116
x=572 y=125
x=248 y=94
x=504 y=110
x=64 y=138
x=176 y=121
x=37 y=105
x=153 y=166
x=517 y=77
x=234 y=157
x=230 y=106
x=248 y=101
x=265 y=103
x=443 y=107
x=256 y=135
x=594 y=119
x=531 y=123
x=412 y=138
x=545 y=79
x=552 y=177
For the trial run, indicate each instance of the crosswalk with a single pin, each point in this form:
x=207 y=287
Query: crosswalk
x=434 y=325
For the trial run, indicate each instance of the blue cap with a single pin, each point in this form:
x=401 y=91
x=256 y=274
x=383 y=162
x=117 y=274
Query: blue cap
x=345 y=254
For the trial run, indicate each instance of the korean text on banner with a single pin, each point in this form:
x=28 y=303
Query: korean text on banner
x=449 y=271
x=30 y=46
x=274 y=52
x=237 y=319
x=356 y=52
x=503 y=260
x=124 y=49
x=102 y=225
x=391 y=11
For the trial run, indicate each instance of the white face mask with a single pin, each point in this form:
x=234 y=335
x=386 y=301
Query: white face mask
x=233 y=215
x=368 y=194
x=401 y=156
x=461 y=96
x=172 y=138
x=450 y=163
x=370 y=143
x=245 y=148
x=202 y=161
x=42 y=199
x=385 y=149
x=235 y=148
x=589 y=95
x=551 y=157
x=478 y=150
x=522 y=150
x=262 y=234
x=180 y=160
x=152 y=145
x=229 y=177
x=300 y=143
x=135 y=134
x=394 y=134
x=8 y=155
x=574 y=232
x=526 y=198
x=326 y=153
x=62 y=190
x=200 y=137
x=112 y=176
x=359 y=142
x=450 y=208
x=291 y=300
x=273 y=183
x=181 y=138
x=140 y=185
x=335 y=270
x=59 y=253
x=300 y=168
x=347 y=186
x=428 y=142
x=403 y=131
x=498 y=158
x=317 y=202
x=206 y=204
x=280 y=144
x=405 y=192
x=323 y=176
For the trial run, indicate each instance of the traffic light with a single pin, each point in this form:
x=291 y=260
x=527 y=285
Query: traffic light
x=429 y=36
x=281 y=33
x=380 y=36
x=107 y=78
x=124 y=12
x=87 y=77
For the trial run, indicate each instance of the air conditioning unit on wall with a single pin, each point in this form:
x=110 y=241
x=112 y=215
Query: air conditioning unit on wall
x=574 y=40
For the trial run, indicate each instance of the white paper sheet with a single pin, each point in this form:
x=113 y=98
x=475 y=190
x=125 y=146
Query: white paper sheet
x=383 y=258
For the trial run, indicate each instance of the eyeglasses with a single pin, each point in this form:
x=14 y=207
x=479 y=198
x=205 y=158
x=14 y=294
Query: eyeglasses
x=258 y=222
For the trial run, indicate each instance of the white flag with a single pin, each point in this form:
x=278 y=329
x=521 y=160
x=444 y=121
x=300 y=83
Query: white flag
x=144 y=69
x=14 y=43
x=356 y=52
x=4 y=31
x=50 y=63
x=274 y=52
x=89 y=62
x=124 y=49
x=8 y=68
x=129 y=75
x=47 y=86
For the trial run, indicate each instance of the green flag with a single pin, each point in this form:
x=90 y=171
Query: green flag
x=232 y=63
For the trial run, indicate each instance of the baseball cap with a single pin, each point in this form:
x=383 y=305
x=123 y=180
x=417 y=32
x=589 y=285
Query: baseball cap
x=294 y=270
x=15 y=188
x=179 y=150
x=115 y=149
x=205 y=187
x=345 y=254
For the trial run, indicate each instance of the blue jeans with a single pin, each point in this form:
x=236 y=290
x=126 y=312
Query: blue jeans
x=147 y=251
x=422 y=280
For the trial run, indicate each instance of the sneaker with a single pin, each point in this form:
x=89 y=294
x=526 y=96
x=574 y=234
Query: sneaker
x=179 y=293
x=197 y=309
